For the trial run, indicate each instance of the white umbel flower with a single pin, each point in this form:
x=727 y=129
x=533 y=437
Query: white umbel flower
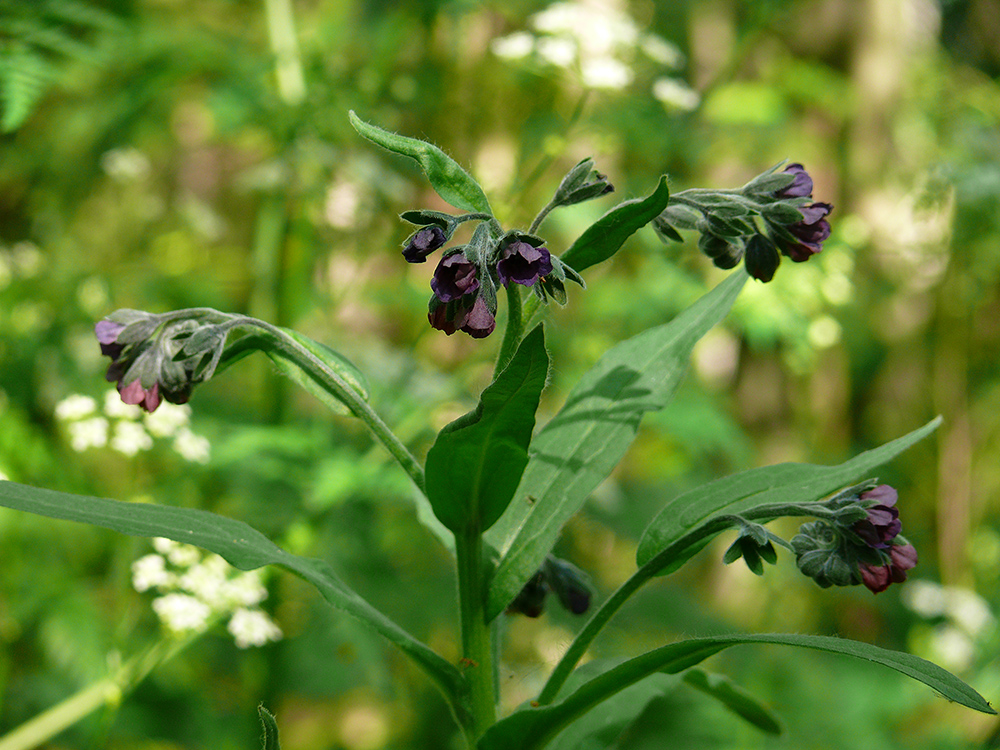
x=252 y=627
x=182 y=612
x=75 y=407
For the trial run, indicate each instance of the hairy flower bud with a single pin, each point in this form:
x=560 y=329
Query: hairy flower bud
x=423 y=242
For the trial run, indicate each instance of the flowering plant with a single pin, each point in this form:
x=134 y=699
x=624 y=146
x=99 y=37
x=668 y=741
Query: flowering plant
x=496 y=491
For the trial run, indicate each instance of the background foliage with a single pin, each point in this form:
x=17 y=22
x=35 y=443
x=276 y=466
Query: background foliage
x=171 y=153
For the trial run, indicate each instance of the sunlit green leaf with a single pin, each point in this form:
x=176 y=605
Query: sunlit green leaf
x=475 y=464
x=269 y=738
x=532 y=728
x=581 y=445
x=450 y=181
x=604 y=237
x=784 y=483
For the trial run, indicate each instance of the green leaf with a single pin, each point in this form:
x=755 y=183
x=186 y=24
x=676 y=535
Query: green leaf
x=532 y=728
x=450 y=181
x=476 y=462
x=240 y=545
x=583 y=443
x=738 y=493
x=269 y=730
x=336 y=362
x=735 y=698
x=604 y=237
x=599 y=730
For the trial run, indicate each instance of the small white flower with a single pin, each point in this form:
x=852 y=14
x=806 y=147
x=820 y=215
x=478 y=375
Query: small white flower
x=252 y=627
x=75 y=407
x=180 y=612
x=184 y=555
x=168 y=419
x=115 y=408
x=207 y=580
x=605 y=73
x=151 y=572
x=192 y=447
x=514 y=46
x=163 y=545
x=88 y=433
x=675 y=93
x=130 y=438
x=557 y=51
x=246 y=590
x=659 y=49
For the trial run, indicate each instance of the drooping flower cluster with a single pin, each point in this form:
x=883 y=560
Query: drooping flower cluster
x=196 y=589
x=466 y=279
x=771 y=216
x=868 y=550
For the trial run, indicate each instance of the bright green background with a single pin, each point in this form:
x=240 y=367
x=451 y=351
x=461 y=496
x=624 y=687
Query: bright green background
x=251 y=198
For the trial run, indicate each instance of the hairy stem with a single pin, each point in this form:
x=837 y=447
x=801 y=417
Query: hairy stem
x=477 y=641
x=515 y=328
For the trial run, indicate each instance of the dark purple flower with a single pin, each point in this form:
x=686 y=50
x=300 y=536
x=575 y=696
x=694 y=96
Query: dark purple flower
x=424 y=242
x=474 y=319
x=882 y=524
x=801 y=186
x=809 y=233
x=454 y=277
x=523 y=264
x=877 y=578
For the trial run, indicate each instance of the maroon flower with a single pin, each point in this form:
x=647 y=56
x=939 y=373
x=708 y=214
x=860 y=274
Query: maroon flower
x=423 y=243
x=882 y=524
x=809 y=233
x=474 y=319
x=523 y=264
x=134 y=393
x=801 y=186
x=454 y=277
x=877 y=578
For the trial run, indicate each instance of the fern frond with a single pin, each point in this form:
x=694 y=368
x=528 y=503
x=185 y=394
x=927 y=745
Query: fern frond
x=24 y=77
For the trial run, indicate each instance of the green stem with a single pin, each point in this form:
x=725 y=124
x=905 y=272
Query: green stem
x=675 y=551
x=477 y=641
x=330 y=380
x=108 y=691
x=514 y=331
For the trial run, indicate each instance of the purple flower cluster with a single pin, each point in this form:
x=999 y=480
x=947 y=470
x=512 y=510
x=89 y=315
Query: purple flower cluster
x=808 y=234
x=880 y=531
x=460 y=301
x=123 y=357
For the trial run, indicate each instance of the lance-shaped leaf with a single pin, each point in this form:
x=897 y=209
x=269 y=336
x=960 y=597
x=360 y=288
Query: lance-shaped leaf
x=583 y=443
x=604 y=237
x=476 y=462
x=241 y=546
x=533 y=728
x=767 y=485
x=450 y=181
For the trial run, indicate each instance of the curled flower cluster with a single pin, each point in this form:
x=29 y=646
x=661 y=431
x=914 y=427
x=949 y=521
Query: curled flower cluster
x=768 y=217
x=868 y=550
x=467 y=277
x=196 y=589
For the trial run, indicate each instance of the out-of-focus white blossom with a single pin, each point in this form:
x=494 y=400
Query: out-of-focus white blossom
x=197 y=588
x=116 y=409
x=597 y=40
x=132 y=430
x=75 y=407
x=191 y=447
x=167 y=420
x=88 y=433
x=151 y=572
x=252 y=627
x=182 y=612
x=130 y=438
x=675 y=93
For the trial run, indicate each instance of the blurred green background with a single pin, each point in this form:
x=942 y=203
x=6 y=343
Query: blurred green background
x=160 y=154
